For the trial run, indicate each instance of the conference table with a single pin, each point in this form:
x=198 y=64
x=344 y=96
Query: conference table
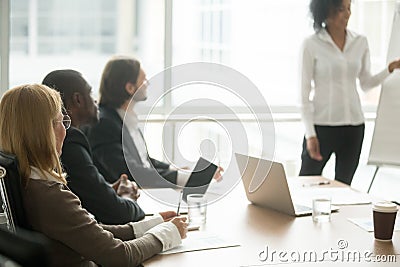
x=268 y=237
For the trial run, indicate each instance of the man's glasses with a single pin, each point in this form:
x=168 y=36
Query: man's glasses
x=66 y=121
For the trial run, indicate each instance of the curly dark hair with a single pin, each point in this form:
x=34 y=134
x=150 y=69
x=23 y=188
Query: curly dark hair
x=67 y=82
x=320 y=10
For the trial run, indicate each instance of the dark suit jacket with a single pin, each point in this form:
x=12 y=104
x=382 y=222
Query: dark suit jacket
x=96 y=195
x=114 y=153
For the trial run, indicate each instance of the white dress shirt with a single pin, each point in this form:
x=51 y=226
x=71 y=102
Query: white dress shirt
x=333 y=73
x=166 y=232
x=131 y=122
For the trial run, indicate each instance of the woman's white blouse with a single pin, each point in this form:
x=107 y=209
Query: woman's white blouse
x=331 y=75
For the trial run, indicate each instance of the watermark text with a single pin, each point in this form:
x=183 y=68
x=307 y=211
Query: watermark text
x=339 y=254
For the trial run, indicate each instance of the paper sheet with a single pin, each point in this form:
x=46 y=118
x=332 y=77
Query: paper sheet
x=368 y=225
x=200 y=240
x=340 y=196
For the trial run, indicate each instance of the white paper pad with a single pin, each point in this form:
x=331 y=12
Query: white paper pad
x=339 y=196
x=368 y=225
x=199 y=240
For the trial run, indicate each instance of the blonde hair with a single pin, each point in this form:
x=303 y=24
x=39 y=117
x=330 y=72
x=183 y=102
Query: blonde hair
x=27 y=114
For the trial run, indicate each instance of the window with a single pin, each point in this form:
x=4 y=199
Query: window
x=82 y=35
x=259 y=38
x=262 y=39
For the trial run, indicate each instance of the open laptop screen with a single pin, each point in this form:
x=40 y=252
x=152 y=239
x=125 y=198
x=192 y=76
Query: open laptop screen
x=200 y=178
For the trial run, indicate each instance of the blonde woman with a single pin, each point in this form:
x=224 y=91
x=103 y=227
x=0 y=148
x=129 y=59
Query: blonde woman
x=32 y=126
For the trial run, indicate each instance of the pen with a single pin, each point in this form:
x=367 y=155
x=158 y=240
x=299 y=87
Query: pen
x=179 y=203
x=318 y=183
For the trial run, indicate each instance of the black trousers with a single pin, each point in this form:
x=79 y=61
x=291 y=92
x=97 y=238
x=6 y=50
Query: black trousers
x=345 y=142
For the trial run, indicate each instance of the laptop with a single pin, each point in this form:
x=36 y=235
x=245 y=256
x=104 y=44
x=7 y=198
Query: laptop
x=265 y=184
x=154 y=200
x=200 y=178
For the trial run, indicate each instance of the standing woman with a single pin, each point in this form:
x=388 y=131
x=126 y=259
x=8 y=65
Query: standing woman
x=332 y=60
x=32 y=127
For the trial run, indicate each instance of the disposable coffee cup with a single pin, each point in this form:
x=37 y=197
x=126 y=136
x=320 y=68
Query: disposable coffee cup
x=384 y=214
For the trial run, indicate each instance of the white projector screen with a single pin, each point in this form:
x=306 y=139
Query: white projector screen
x=385 y=146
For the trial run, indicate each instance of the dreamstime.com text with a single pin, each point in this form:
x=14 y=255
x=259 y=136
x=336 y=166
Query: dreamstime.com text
x=339 y=254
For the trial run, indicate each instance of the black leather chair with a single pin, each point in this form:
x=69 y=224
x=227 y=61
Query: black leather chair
x=11 y=193
x=18 y=244
x=28 y=249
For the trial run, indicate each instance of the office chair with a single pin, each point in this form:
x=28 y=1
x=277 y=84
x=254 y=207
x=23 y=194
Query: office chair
x=11 y=193
x=25 y=248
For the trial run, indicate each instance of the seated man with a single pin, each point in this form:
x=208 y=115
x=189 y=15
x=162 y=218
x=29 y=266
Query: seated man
x=120 y=148
x=114 y=204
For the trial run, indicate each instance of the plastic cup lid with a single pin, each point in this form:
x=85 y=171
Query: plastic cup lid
x=385 y=207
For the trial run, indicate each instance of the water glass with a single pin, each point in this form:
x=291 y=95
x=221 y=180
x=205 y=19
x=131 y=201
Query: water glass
x=197 y=212
x=321 y=209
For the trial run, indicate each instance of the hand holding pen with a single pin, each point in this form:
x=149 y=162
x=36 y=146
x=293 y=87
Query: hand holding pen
x=168 y=215
x=180 y=222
